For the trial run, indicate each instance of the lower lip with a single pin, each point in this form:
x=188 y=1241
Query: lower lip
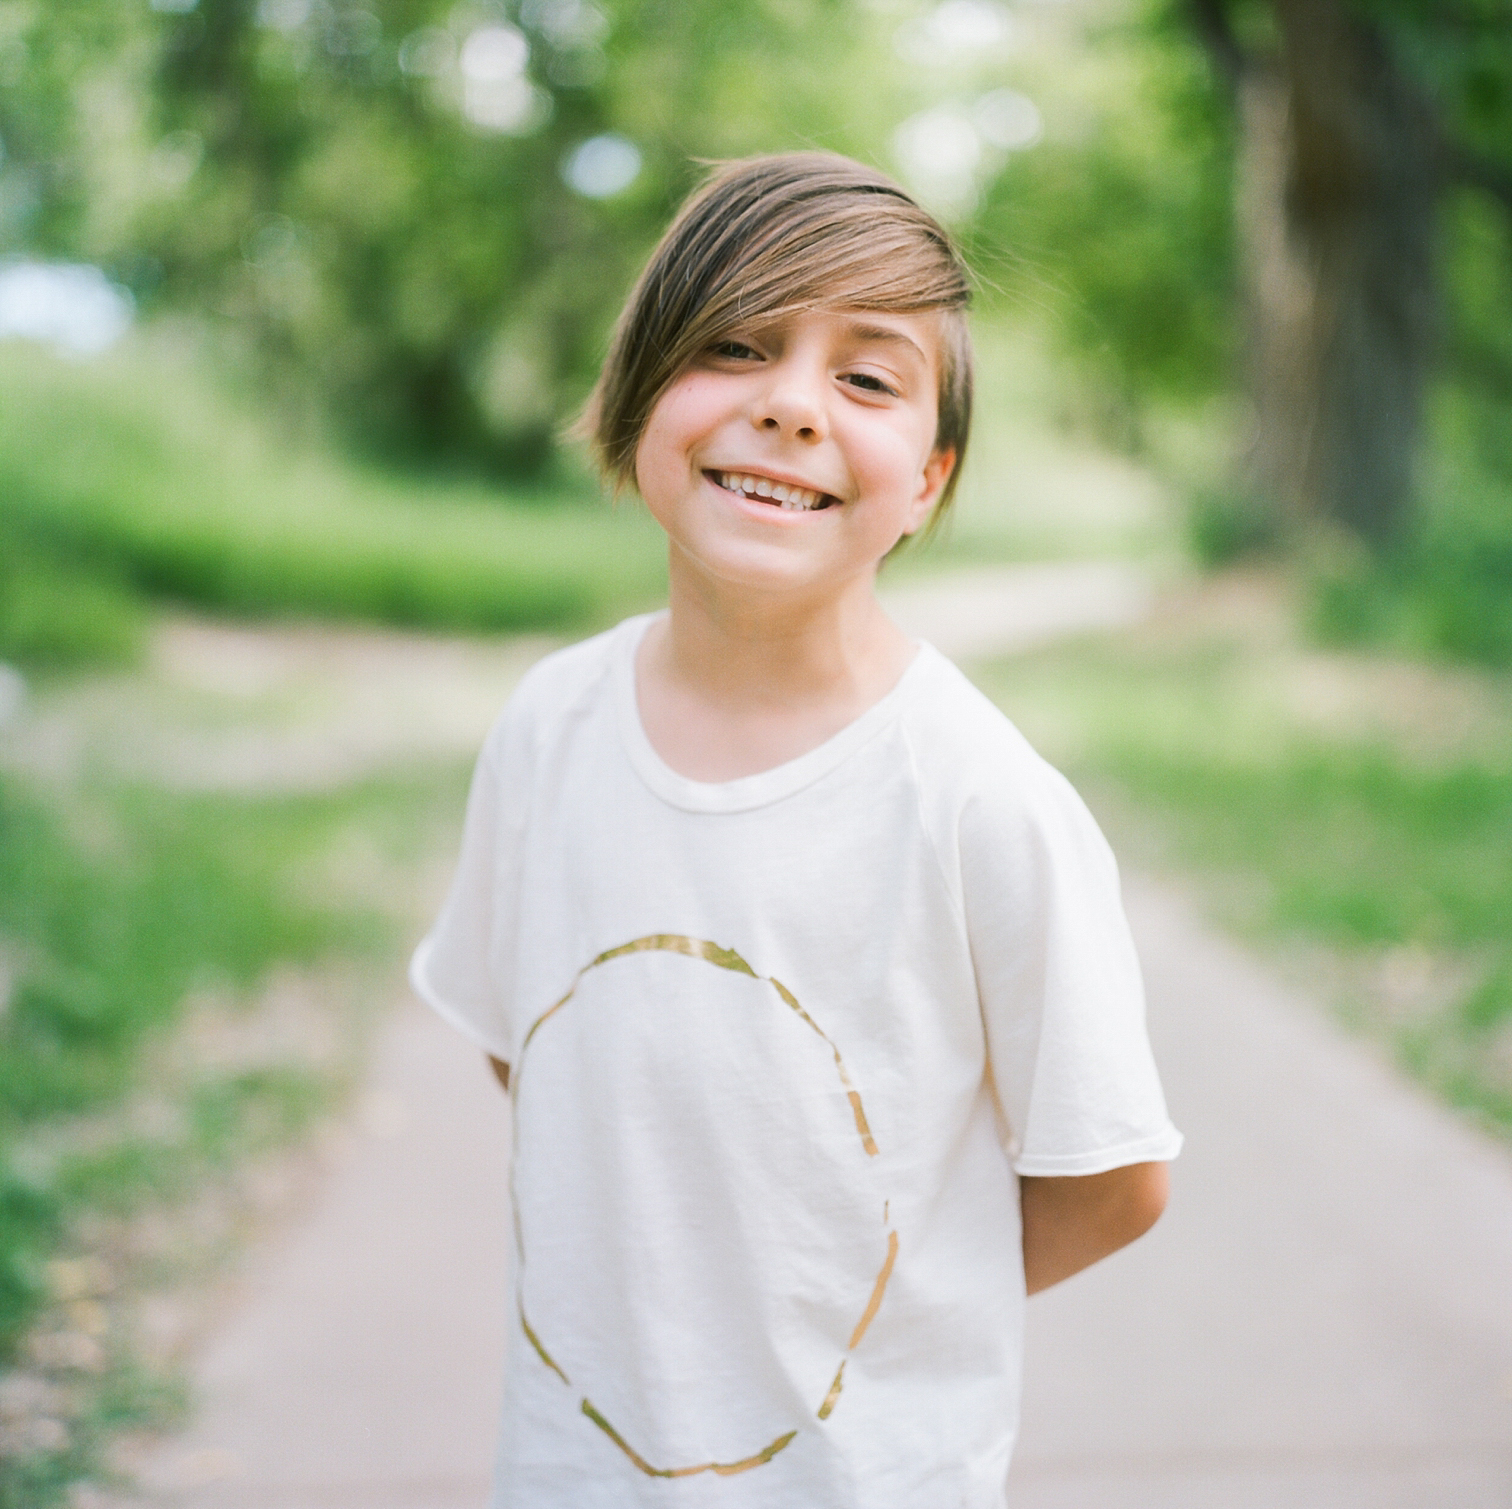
x=761 y=508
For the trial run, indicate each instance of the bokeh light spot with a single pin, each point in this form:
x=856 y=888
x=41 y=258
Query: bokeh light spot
x=939 y=151
x=352 y=33
x=1008 y=119
x=602 y=166
x=494 y=55
x=566 y=23
x=428 y=53
x=496 y=95
x=73 y=307
x=955 y=31
x=284 y=15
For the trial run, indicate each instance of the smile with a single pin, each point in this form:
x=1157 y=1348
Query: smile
x=778 y=494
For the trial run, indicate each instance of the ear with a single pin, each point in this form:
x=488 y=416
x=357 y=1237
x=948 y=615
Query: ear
x=936 y=473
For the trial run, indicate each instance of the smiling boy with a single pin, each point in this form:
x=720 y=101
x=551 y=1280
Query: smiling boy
x=809 y=980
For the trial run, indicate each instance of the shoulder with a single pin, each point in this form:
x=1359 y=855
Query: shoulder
x=554 y=690
x=966 y=749
x=988 y=799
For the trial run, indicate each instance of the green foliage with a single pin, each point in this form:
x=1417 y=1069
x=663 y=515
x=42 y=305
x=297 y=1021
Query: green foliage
x=1449 y=598
x=130 y=475
x=1463 y=55
x=127 y=1397
x=1121 y=219
x=103 y=938
x=390 y=230
x=1350 y=599
x=56 y=614
x=1448 y=590
x=31 y=1225
x=315 y=179
x=1226 y=523
x=121 y=910
x=50 y=78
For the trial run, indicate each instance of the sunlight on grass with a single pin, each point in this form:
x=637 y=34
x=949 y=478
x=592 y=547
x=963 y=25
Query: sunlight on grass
x=133 y=472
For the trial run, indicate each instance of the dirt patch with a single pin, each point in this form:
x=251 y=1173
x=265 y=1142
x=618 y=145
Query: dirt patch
x=274 y=708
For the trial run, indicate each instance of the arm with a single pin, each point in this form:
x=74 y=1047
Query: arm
x=1069 y=1224
x=500 y=1070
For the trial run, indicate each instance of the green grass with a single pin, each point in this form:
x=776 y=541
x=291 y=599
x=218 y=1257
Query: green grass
x=135 y=474
x=57 y=613
x=1447 y=592
x=119 y=911
x=1443 y=590
x=1339 y=834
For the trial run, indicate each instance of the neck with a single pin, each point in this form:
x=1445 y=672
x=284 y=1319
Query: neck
x=778 y=648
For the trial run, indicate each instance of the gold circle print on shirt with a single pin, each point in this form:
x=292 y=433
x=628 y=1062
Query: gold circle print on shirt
x=762 y=1028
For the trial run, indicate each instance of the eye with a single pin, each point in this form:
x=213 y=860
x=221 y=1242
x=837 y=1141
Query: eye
x=869 y=383
x=736 y=351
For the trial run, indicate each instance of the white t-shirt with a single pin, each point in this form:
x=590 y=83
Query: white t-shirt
x=779 y=1045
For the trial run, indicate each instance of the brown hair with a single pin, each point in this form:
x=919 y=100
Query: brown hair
x=772 y=236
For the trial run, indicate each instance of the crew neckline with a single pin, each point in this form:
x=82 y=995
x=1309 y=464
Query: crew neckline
x=747 y=791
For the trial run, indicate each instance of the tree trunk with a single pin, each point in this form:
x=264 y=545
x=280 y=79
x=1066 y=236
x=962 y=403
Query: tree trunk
x=1339 y=176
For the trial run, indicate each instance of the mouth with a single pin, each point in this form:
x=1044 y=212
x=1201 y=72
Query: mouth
x=783 y=495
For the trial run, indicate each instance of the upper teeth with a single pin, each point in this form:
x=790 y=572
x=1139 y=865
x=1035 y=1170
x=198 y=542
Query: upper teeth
x=764 y=487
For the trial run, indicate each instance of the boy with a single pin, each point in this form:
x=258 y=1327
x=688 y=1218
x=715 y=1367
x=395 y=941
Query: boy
x=808 y=979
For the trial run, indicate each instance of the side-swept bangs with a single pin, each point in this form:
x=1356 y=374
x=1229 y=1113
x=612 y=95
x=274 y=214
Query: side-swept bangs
x=766 y=238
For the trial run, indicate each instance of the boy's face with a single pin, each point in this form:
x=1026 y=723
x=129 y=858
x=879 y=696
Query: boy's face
x=834 y=408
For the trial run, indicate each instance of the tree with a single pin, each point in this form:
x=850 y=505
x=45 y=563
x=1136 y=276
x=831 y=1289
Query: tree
x=1115 y=231
x=385 y=198
x=1355 y=120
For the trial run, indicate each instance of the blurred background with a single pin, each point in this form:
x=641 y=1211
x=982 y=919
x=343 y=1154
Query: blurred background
x=296 y=297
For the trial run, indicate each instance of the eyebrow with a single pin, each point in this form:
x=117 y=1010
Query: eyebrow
x=887 y=335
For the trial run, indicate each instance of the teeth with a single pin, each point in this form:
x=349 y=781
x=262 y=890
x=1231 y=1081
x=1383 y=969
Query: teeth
x=784 y=496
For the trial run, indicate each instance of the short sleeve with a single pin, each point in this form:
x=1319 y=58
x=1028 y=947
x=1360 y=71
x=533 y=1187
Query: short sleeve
x=459 y=968
x=1059 y=982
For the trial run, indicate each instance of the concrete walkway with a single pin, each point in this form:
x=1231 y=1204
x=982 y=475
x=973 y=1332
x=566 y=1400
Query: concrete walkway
x=1322 y=1321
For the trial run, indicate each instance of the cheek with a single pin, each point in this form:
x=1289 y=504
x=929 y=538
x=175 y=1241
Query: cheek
x=890 y=459
x=682 y=417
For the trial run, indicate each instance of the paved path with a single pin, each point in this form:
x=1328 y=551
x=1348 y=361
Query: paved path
x=360 y=1368
x=1322 y=1321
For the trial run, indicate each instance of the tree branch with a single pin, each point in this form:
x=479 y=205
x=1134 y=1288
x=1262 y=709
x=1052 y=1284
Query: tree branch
x=1210 y=17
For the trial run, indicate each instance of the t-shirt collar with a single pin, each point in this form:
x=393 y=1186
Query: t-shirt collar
x=749 y=791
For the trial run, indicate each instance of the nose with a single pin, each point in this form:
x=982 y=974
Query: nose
x=791 y=403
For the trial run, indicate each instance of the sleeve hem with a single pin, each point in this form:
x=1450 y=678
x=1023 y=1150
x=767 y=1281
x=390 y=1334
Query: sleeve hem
x=449 y=1013
x=1162 y=1147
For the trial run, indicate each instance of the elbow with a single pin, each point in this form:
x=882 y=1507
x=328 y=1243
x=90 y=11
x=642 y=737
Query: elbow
x=1074 y=1221
x=1147 y=1198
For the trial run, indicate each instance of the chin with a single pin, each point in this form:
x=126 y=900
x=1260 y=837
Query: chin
x=758 y=570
